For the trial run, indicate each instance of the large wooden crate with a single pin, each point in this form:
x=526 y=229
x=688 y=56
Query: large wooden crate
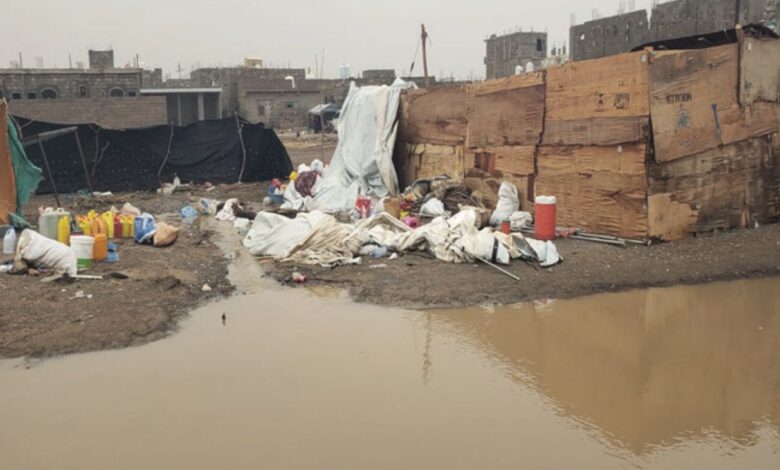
x=694 y=104
x=599 y=189
x=598 y=102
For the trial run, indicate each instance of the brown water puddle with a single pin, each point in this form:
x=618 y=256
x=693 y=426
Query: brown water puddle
x=683 y=378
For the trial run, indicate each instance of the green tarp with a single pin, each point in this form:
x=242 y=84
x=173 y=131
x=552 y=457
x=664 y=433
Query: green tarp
x=28 y=176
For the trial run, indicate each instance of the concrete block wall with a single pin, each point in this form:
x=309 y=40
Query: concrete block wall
x=117 y=113
x=609 y=36
x=23 y=84
x=504 y=53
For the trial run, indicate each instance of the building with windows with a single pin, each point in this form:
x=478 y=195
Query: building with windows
x=506 y=53
x=100 y=93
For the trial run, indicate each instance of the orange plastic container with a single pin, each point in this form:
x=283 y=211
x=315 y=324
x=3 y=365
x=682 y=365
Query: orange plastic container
x=545 y=218
x=100 y=249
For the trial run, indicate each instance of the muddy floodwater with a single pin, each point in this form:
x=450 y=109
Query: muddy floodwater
x=680 y=378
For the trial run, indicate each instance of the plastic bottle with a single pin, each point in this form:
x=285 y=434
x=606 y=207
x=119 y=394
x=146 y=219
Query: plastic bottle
x=9 y=242
x=48 y=223
x=100 y=249
x=108 y=219
x=63 y=229
x=118 y=229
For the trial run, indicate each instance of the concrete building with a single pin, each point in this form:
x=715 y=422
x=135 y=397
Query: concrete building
x=505 y=53
x=669 y=20
x=100 y=93
x=185 y=106
x=608 y=36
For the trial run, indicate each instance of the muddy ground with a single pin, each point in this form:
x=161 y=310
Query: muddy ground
x=418 y=281
x=44 y=319
x=41 y=319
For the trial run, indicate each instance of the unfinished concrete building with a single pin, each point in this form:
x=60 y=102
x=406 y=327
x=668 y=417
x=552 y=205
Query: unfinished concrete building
x=609 y=36
x=670 y=20
x=505 y=53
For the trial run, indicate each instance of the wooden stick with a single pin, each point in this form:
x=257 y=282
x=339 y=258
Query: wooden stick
x=243 y=149
x=167 y=154
x=498 y=268
x=48 y=170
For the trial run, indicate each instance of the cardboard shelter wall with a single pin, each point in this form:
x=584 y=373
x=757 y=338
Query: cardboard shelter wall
x=7 y=178
x=638 y=145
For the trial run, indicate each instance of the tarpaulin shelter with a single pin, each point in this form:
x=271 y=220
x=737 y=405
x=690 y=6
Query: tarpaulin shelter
x=226 y=150
x=18 y=177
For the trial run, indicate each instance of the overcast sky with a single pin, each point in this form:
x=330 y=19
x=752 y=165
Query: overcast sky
x=363 y=33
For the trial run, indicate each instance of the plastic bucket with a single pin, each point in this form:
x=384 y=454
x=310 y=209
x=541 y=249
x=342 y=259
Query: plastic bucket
x=545 y=220
x=82 y=247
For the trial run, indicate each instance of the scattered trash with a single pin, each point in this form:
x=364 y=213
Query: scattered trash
x=298 y=278
x=144 y=228
x=113 y=253
x=520 y=221
x=9 y=241
x=393 y=256
x=188 y=214
x=432 y=208
x=377 y=266
x=6 y=268
x=508 y=203
x=206 y=288
x=411 y=221
x=165 y=235
x=129 y=209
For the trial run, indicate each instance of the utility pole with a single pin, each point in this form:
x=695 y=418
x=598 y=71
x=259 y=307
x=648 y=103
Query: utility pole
x=425 y=54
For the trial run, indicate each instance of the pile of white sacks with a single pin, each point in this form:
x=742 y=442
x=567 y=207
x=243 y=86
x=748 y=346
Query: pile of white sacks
x=318 y=238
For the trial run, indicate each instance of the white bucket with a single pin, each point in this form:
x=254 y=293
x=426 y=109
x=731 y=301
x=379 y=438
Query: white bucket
x=82 y=246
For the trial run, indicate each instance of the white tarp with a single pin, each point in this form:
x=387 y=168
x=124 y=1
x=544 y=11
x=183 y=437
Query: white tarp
x=318 y=238
x=363 y=160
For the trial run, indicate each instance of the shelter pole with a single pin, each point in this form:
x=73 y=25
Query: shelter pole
x=322 y=128
x=425 y=54
x=48 y=170
x=84 y=163
x=243 y=149
x=165 y=160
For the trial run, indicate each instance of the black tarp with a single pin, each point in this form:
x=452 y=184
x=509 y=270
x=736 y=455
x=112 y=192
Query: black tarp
x=130 y=159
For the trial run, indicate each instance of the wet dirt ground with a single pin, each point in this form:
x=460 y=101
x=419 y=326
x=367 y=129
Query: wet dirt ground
x=42 y=320
x=682 y=378
x=419 y=281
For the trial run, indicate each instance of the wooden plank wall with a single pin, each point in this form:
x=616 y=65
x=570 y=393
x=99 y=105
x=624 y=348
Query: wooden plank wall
x=694 y=104
x=582 y=132
x=505 y=119
x=598 y=102
x=718 y=189
x=431 y=134
x=600 y=189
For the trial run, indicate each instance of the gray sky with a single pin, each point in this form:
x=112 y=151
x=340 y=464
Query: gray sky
x=363 y=33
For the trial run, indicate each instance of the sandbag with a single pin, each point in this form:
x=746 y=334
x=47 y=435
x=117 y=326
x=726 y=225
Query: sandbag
x=42 y=252
x=165 y=235
x=508 y=203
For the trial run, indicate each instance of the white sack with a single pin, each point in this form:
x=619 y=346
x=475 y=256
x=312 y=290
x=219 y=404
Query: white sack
x=508 y=203
x=42 y=252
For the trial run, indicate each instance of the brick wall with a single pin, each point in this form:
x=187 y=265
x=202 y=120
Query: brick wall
x=117 y=113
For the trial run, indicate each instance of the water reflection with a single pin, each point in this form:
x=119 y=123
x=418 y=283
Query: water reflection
x=648 y=369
